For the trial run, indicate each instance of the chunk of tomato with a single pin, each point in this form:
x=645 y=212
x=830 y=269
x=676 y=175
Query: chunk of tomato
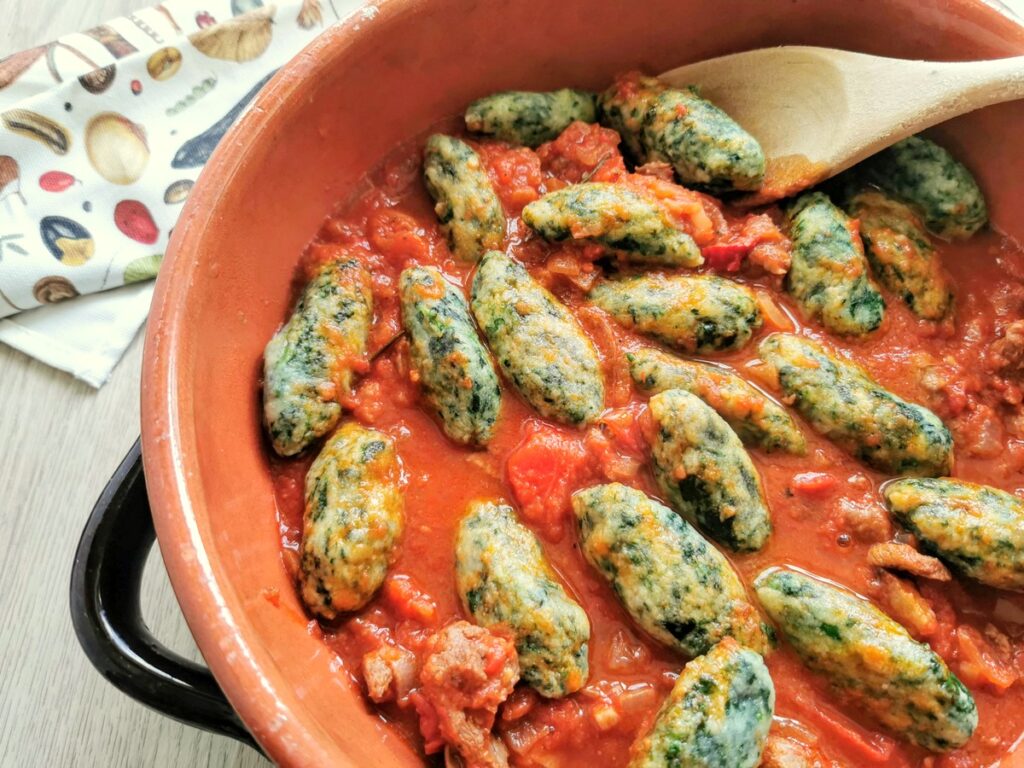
x=543 y=470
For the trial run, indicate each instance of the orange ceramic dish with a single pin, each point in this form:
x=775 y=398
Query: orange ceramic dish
x=315 y=136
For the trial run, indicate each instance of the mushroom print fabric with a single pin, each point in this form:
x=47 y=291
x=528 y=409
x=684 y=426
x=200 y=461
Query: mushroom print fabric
x=103 y=133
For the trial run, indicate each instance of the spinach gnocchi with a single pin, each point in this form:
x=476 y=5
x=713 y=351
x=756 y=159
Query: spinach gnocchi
x=503 y=578
x=580 y=420
x=309 y=365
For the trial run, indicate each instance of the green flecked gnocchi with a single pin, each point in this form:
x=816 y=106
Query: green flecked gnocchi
x=537 y=342
x=929 y=179
x=674 y=584
x=978 y=530
x=530 y=117
x=705 y=473
x=828 y=276
x=845 y=405
x=354 y=517
x=308 y=365
x=503 y=578
x=900 y=254
x=455 y=371
x=869 y=659
x=624 y=106
x=717 y=715
x=465 y=201
x=693 y=313
x=756 y=418
x=614 y=216
x=705 y=146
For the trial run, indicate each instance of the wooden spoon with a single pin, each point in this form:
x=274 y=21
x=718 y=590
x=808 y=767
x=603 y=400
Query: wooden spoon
x=817 y=111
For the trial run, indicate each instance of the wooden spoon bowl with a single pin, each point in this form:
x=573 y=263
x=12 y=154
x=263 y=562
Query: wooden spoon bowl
x=818 y=111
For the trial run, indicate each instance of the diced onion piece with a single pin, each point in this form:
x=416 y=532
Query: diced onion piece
x=764 y=374
x=774 y=316
x=524 y=736
x=638 y=699
x=605 y=716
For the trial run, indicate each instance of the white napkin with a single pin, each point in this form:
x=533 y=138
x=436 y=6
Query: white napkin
x=102 y=134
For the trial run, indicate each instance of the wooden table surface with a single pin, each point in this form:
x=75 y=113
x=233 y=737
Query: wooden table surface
x=62 y=440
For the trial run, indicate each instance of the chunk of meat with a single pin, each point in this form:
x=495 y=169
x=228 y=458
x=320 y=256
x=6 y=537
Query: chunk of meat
x=1007 y=353
x=904 y=603
x=787 y=752
x=866 y=521
x=389 y=672
x=468 y=671
x=903 y=557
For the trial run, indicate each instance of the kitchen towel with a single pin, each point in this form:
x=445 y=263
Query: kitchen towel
x=102 y=136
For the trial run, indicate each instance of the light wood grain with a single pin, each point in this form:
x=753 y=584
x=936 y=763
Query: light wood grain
x=61 y=441
x=818 y=111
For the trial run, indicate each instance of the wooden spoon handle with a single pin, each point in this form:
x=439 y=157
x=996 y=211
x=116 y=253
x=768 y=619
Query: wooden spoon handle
x=921 y=94
x=943 y=90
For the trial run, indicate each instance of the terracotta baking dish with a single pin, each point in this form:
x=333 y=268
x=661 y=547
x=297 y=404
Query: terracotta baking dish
x=325 y=120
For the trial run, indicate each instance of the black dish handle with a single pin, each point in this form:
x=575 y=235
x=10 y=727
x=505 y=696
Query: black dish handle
x=105 y=609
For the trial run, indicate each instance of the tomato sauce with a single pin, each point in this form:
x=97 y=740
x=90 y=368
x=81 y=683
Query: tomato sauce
x=820 y=503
